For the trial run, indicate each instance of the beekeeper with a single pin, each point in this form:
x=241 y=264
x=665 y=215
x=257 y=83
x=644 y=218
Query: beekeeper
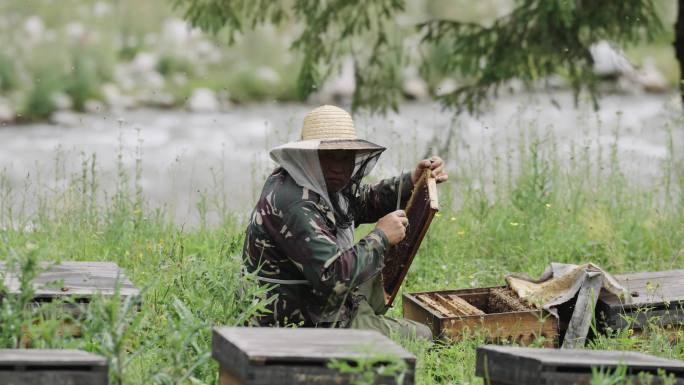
x=300 y=237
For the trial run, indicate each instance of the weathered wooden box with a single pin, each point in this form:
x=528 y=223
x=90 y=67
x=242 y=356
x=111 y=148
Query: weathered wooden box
x=51 y=367
x=656 y=297
x=498 y=323
x=77 y=281
x=503 y=365
x=269 y=356
x=80 y=281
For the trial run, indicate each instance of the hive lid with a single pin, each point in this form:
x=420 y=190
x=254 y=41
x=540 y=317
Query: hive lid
x=527 y=365
x=261 y=346
x=78 y=279
x=49 y=357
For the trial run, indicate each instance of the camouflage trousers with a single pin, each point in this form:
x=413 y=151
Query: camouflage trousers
x=370 y=315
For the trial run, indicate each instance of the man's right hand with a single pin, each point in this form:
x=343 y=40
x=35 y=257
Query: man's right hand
x=394 y=226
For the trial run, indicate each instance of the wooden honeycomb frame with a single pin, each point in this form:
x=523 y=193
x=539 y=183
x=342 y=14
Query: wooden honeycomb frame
x=420 y=209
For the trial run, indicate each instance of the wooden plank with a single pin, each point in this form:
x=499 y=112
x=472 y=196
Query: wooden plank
x=227 y=378
x=75 y=279
x=420 y=210
x=437 y=307
x=458 y=306
x=653 y=288
x=417 y=311
x=638 y=320
x=271 y=345
x=310 y=375
x=53 y=378
x=51 y=366
x=518 y=327
x=514 y=365
x=50 y=357
x=584 y=358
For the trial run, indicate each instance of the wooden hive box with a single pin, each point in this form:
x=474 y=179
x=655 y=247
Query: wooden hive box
x=498 y=322
x=504 y=365
x=80 y=281
x=51 y=367
x=269 y=356
x=658 y=296
x=420 y=209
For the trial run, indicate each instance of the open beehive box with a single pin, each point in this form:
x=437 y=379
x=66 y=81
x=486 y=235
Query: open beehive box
x=420 y=209
x=496 y=311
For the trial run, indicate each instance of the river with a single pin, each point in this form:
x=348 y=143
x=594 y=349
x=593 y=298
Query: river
x=184 y=155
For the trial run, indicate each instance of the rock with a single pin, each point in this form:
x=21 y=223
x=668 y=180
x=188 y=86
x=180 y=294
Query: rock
x=144 y=62
x=416 y=88
x=446 y=86
x=203 y=100
x=207 y=51
x=34 y=28
x=268 y=75
x=153 y=80
x=114 y=99
x=609 y=61
x=74 y=31
x=65 y=118
x=150 y=39
x=650 y=78
x=62 y=101
x=179 y=79
x=101 y=8
x=161 y=99
x=339 y=88
x=7 y=113
x=175 y=32
x=94 y=106
x=556 y=82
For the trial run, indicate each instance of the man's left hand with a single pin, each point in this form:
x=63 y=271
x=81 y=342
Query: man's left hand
x=434 y=163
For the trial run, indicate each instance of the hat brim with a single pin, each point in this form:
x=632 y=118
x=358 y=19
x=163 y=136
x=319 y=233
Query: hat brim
x=349 y=144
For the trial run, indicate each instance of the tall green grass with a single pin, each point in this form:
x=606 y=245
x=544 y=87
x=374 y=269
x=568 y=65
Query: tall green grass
x=510 y=208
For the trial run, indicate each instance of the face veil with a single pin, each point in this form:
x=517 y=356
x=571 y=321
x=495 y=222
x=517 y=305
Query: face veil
x=302 y=163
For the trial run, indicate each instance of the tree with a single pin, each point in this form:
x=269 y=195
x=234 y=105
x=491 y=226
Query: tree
x=537 y=39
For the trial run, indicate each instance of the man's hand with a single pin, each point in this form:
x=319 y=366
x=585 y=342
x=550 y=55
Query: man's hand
x=436 y=164
x=394 y=226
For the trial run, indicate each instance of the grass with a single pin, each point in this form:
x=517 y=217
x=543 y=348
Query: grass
x=511 y=209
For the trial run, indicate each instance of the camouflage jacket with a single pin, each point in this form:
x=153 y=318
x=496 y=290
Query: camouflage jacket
x=290 y=240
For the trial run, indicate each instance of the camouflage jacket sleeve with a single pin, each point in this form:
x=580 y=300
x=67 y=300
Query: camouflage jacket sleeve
x=380 y=199
x=309 y=242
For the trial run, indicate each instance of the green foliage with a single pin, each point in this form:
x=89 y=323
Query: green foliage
x=538 y=39
x=39 y=102
x=372 y=368
x=83 y=80
x=170 y=64
x=333 y=29
x=8 y=74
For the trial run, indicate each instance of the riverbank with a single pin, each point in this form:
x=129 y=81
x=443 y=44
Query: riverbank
x=181 y=156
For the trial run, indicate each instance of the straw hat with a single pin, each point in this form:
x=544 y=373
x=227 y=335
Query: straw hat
x=334 y=128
